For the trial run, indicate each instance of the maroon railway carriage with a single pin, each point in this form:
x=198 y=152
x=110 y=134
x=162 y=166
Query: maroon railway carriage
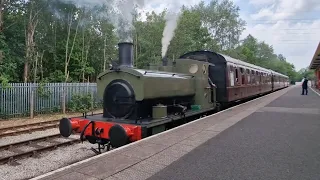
x=279 y=81
x=237 y=80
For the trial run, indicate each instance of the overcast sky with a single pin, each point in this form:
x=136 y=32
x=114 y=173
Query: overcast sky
x=291 y=26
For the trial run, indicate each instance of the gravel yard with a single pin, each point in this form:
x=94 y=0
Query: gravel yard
x=49 y=161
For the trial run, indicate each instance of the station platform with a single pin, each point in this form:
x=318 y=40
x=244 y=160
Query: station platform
x=276 y=136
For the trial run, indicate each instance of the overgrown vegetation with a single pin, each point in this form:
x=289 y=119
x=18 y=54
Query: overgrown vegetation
x=50 y=41
x=83 y=103
x=42 y=91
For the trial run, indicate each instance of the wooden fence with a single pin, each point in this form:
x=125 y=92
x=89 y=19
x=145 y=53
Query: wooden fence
x=23 y=99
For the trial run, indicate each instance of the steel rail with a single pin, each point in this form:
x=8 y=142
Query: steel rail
x=27 y=128
x=13 y=147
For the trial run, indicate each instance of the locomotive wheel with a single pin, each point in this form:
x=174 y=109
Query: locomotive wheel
x=65 y=127
x=118 y=136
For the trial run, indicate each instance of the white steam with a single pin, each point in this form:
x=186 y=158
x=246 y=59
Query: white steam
x=119 y=13
x=122 y=17
x=168 y=33
x=171 y=18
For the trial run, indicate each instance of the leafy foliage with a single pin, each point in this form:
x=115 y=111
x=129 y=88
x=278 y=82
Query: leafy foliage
x=82 y=103
x=310 y=74
x=42 y=91
x=58 y=42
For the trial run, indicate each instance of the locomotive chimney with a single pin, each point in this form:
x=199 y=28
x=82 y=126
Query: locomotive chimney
x=126 y=54
x=164 y=61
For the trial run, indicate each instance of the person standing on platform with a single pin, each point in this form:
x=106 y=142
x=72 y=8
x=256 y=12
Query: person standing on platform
x=305 y=86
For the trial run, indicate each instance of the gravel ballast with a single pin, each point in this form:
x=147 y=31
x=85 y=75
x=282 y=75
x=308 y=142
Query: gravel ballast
x=46 y=162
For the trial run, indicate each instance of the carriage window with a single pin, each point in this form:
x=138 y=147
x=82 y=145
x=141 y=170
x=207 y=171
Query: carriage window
x=248 y=76
x=243 y=79
x=242 y=76
x=231 y=76
x=237 y=75
x=253 y=77
x=260 y=77
x=267 y=78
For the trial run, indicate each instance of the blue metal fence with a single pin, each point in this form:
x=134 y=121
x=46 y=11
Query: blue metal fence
x=16 y=98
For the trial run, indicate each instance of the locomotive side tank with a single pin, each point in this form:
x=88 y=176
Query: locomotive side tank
x=128 y=92
x=147 y=84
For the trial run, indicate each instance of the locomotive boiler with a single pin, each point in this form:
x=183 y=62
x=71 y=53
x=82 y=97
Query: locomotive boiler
x=140 y=102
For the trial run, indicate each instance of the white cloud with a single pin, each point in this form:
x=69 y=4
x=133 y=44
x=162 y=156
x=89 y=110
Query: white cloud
x=266 y=12
x=159 y=5
x=285 y=24
x=280 y=9
x=261 y=2
x=297 y=42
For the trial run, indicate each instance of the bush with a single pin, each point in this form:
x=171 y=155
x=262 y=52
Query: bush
x=81 y=103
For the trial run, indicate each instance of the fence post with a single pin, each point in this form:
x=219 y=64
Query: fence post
x=31 y=104
x=92 y=101
x=63 y=103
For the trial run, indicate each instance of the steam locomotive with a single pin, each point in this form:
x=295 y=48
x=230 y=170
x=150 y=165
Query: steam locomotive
x=141 y=102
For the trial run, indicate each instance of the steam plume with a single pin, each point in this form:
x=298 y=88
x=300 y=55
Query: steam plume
x=168 y=33
x=119 y=13
x=170 y=27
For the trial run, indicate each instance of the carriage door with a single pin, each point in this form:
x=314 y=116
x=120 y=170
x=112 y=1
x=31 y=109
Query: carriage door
x=272 y=81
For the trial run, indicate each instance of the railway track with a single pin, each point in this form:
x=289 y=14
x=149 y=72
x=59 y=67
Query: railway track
x=27 y=128
x=10 y=152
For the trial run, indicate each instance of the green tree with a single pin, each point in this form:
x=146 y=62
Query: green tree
x=191 y=35
x=305 y=72
x=55 y=41
x=223 y=22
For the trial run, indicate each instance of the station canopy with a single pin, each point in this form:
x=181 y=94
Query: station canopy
x=315 y=62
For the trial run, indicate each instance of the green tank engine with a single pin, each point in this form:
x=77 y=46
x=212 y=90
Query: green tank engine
x=138 y=103
x=161 y=90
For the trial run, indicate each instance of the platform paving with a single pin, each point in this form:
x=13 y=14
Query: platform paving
x=279 y=141
x=219 y=146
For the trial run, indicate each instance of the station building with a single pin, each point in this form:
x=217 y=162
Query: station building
x=315 y=65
